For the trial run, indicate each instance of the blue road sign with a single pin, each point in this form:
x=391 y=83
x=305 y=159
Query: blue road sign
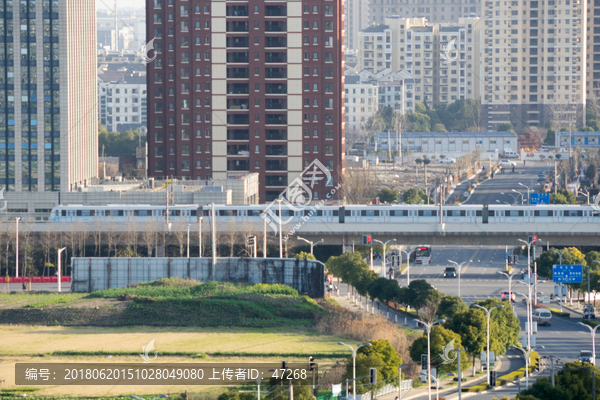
x=539 y=198
x=506 y=256
x=567 y=273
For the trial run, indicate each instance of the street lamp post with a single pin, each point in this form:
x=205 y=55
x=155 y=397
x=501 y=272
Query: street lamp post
x=428 y=326
x=264 y=217
x=529 y=314
x=520 y=194
x=17 y=248
x=459 y=267
x=529 y=305
x=59 y=271
x=586 y=194
x=383 y=251
x=488 y=314
x=510 y=293
x=593 y=332
x=437 y=382
x=354 y=350
x=200 y=237
x=279 y=200
x=526 y=354
x=313 y=244
x=560 y=254
x=511 y=195
x=528 y=192
x=407 y=264
x=188 y=240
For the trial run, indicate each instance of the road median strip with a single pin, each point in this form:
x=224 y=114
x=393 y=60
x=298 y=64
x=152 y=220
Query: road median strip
x=503 y=380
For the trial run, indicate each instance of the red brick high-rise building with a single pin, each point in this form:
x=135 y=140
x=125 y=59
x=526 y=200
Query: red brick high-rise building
x=246 y=86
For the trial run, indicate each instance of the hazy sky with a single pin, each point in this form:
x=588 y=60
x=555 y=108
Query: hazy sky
x=101 y=4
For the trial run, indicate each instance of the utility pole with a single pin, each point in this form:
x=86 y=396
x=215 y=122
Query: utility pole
x=214 y=238
x=552 y=369
x=104 y=164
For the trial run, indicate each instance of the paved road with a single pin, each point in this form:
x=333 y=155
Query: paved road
x=490 y=191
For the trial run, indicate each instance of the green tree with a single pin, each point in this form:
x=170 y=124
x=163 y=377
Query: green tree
x=419 y=122
x=412 y=196
x=592 y=256
x=118 y=144
x=388 y=195
x=304 y=255
x=505 y=127
x=506 y=328
x=550 y=137
x=381 y=355
x=562 y=196
x=440 y=338
x=349 y=266
x=450 y=305
x=366 y=280
x=384 y=289
x=472 y=328
x=420 y=292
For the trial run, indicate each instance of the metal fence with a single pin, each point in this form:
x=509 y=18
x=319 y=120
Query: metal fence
x=96 y=273
x=387 y=389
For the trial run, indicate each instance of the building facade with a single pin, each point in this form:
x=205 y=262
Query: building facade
x=122 y=104
x=49 y=135
x=356 y=17
x=436 y=11
x=361 y=101
x=582 y=139
x=241 y=87
x=534 y=63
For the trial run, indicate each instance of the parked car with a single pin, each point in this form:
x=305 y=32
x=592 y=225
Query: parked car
x=541 y=177
x=506 y=295
x=447 y=160
x=542 y=316
x=506 y=163
x=450 y=272
x=586 y=356
x=589 y=312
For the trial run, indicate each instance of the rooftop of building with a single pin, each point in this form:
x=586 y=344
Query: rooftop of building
x=450 y=134
x=375 y=28
x=578 y=133
x=422 y=29
x=450 y=28
x=119 y=76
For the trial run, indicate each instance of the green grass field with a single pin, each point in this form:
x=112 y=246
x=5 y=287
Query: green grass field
x=22 y=299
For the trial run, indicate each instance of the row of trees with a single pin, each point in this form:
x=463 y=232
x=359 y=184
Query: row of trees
x=572 y=256
x=466 y=326
x=118 y=144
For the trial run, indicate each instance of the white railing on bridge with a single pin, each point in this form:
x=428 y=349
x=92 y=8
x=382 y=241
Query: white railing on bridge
x=405 y=385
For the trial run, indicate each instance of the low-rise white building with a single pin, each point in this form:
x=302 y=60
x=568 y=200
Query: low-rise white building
x=122 y=103
x=360 y=101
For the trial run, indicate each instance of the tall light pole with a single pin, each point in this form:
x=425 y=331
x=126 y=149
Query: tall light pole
x=59 y=271
x=510 y=293
x=526 y=354
x=17 y=247
x=488 y=314
x=428 y=326
x=588 y=281
x=593 y=332
x=188 y=240
x=200 y=237
x=312 y=244
x=407 y=264
x=529 y=315
x=264 y=217
x=521 y=194
x=279 y=200
x=383 y=251
x=459 y=267
x=586 y=194
x=511 y=195
x=560 y=254
x=354 y=350
x=529 y=305
x=528 y=192
x=437 y=381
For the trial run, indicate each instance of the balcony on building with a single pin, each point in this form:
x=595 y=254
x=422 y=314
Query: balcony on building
x=276 y=165
x=276 y=11
x=276 y=119
x=238 y=104
x=237 y=41
x=237 y=72
x=238 y=150
x=237 y=88
x=275 y=88
x=237 y=26
x=276 y=150
x=275 y=180
x=238 y=119
x=238 y=57
x=276 y=57
x=276 y=134
x=275 y=104
x=275 y=26
x=275 y=41
x=278 y=73
x=238 y=134
x=238 y=165
x=237 y=11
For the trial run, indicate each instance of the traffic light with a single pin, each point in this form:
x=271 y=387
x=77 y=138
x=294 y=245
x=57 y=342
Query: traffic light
x=311 y=363
x=373 y=376
x=493 y=378
x=537 y=365
x=423 y=361
x=366 y=240
x=532 y=239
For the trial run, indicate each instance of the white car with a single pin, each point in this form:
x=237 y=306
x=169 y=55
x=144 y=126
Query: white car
x=447 y=161
x=507 y=163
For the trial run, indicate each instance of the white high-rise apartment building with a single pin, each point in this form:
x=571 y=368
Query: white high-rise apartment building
x=122 y=105
x=534 y=62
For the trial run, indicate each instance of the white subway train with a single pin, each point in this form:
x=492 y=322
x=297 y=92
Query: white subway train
x=355 y=214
